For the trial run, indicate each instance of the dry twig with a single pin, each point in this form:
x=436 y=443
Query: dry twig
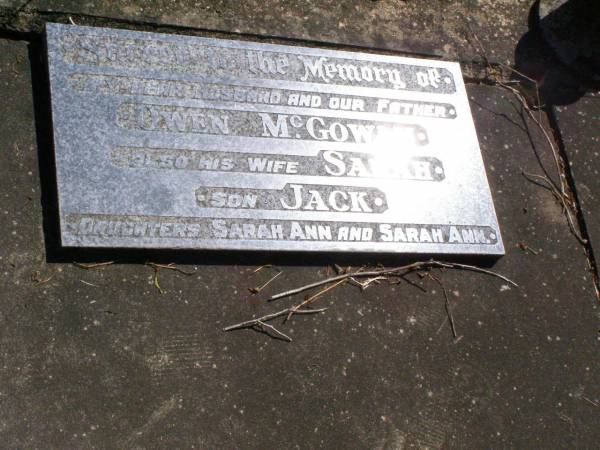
x=258 y=269
x=260 y=322
x=365 y=284
x=37 y=277
x=562 y=192
x=446 y=304
x=412 y=283
x=170 y=266
x=526 y=248
x=371 y=276
x=256 y=290
x=311 y=299
x=397 y=271
x=93 y=265
x=562 y=198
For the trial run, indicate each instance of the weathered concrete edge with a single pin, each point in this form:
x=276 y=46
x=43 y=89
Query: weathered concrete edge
x=28 y=25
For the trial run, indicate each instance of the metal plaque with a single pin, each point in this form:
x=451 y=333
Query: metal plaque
x=167 y=141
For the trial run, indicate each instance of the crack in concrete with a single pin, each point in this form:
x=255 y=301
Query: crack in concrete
x=568 y=173
x=493 y=74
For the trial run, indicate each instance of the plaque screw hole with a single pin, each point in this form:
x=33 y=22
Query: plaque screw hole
x=439 y=170
x=447 y=80
x=378 y=201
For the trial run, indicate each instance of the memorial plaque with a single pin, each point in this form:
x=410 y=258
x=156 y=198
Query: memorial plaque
x=167 y=141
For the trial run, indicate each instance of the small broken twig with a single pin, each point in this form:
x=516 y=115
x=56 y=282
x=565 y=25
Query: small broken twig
x=311 y=299
x=37 y=277
x=274 y=330
x=590 y=401
x=526 y=248
x=412 y=283
x=256 y=290
x=170 y=266
x=446 y=304
x=365 y=284
x=260 y=322
x=93 y=265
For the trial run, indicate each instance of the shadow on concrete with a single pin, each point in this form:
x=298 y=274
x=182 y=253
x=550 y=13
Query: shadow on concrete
x=561 y=61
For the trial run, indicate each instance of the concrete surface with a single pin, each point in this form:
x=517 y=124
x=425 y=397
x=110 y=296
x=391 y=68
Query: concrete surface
x=100 y=358
x=580 y=124
x=12 y=3
x=443 y=28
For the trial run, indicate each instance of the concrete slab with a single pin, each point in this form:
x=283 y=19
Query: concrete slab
x=101 y=359
x=442 y=28
x=579 y=124
x=12 y=3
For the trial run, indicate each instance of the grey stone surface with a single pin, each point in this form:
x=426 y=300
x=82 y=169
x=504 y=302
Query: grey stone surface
x=579 y=124
x=442 y=28
x=12 y=3
x=100 y=359
x=169 y=141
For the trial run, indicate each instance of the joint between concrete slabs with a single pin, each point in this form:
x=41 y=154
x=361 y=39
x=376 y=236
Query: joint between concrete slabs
x=581 y=222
